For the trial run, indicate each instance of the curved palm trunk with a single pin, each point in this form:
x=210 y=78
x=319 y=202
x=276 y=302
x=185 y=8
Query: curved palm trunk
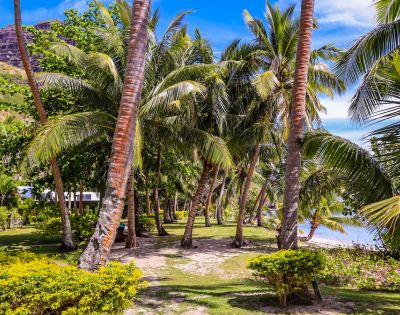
x=131 y=240
x=67 y=242
x=208 y=203
x=259 y=212
x=148 y=202
x=187 y=236
x=245 y=193
x=110 y=214
x=221 y=196
x=160 y=229
x=253 y=213
x=288 y=235
x=310 y=235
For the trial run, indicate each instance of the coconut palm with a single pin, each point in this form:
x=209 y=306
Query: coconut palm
x=67 y=239
x=288 y=237
x=99 y=246
x=370 y=179
x=275 y=53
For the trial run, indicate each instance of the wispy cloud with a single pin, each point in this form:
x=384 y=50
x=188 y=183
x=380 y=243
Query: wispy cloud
x=358 y=13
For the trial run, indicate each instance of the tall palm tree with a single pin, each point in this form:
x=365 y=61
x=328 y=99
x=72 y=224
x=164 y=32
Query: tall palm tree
x=288 y=237
x=275 y=53
x=67 y=239
x=96 y=253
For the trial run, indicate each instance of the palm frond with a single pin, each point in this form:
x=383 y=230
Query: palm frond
x=63 y=133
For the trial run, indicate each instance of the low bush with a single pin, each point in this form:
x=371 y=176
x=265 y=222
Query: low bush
x=147 y=222
x=361 y=268
x=288 y=271
x=49 y=223
x=181 y=214
x=32 y=285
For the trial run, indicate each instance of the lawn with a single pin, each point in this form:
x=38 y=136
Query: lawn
x=212 y=278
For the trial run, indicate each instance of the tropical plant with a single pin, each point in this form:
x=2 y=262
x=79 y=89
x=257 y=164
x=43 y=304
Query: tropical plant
x=67 y=240
x=97 y=251
x=275 y=53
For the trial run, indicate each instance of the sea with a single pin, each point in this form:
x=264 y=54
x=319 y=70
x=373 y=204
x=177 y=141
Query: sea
x=344 y=128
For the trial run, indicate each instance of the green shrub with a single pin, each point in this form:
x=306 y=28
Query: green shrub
x=181 y=214
x=288 y=270
x=3 y=217
x=39 y=286
x=49 y=223
x=362 y=269
x=147 y=222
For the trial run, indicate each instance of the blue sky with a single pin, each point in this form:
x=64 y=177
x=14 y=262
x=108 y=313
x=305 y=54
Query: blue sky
x=341 y=21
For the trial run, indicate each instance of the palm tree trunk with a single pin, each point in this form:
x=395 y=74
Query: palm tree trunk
x=81 y=196
x=187 y=236
x=288 y=235
x=175 y=208
x=208 y=203
x=238 y=242
x=314 y=227
x=131 y=241
x=148 y=203
x=67 y=243
x=160 y=229
x=253 y=213
x=110 y=214
x=263 y=200
x=219 y=203
x=167 y=211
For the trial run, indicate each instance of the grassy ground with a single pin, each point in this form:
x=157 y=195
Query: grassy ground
x=213 y=278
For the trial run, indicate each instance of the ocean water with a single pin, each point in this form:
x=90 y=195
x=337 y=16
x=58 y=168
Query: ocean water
x=354 y=234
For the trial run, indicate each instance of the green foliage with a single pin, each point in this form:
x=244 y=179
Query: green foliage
x=49 y=222
x=182 y=214
x=362 y=269
x=3 y=218
x=31 y=285
x=288 y=270
x=148 y=223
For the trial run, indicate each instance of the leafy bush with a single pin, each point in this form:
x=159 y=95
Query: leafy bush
x=31 y=285
x=361 y=268
x=288 y=271
x=181 y=214
x=49 y=223
x=3 y=218
x=147 y=222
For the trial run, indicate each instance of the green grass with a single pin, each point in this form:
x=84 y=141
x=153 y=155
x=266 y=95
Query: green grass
x=227 y=289
x=28 y=238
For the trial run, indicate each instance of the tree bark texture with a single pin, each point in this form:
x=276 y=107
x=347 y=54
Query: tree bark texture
x=187 y=236
x=288 y=235
x=110 y=214
x=209 y=197
x=67 y=243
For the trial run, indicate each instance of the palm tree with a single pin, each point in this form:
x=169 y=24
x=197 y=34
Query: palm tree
x=68 y=243
x=275 y=53
x=370 y=179
x=8 y=188
x=320 y=200
x=100 y=243
x=288 y=237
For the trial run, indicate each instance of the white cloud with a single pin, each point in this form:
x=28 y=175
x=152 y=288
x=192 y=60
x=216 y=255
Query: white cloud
x=337 y=107
x=359 y=13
